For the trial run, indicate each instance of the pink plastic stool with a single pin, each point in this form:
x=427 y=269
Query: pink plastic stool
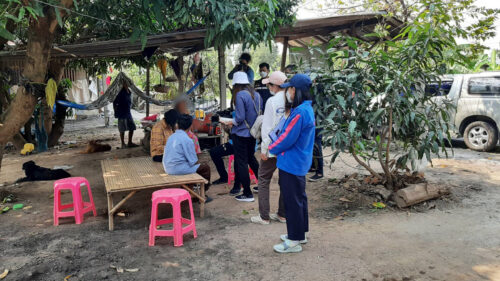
x=231 y=175
x=173 y=196
x=80 y=208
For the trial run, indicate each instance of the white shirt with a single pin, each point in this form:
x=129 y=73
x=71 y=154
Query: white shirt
x=275 y=109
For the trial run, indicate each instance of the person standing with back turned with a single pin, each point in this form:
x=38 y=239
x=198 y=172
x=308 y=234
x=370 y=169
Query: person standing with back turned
x=248 y=105
x=273 y=113
x=294 y=148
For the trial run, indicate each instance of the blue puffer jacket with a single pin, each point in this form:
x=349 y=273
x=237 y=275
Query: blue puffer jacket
x=294 y=146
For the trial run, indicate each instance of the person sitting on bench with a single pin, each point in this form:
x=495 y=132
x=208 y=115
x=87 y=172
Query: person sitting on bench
x=180 y=157
x=162 y=130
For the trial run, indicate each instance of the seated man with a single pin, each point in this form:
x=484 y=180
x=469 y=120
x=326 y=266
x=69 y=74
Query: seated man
x=162 y=130
x=180 y=157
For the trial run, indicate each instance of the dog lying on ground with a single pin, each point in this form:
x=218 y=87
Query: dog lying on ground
x=94 y=146
x=36 y=173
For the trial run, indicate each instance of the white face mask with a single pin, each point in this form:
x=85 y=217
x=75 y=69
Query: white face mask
x=263 y=74
x=272 y=93
x=288 y=97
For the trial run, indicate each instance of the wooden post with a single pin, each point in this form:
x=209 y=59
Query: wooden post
x=222 y=78
x=283 y=55
x=147 y=88
x=181 y=76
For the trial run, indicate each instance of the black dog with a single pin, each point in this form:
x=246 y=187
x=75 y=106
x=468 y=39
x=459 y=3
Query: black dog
x=36 y=173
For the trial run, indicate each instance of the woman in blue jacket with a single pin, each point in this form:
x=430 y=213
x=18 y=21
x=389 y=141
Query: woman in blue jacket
x=294 y=148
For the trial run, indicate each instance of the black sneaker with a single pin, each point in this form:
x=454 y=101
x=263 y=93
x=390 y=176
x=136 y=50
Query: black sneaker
x=235 y=191
x=208 y=199
x=245 y=198
x=256 y=189
x=220 y=181
x=316 y=177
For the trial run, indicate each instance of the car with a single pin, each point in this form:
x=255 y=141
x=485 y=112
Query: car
x=476 y=116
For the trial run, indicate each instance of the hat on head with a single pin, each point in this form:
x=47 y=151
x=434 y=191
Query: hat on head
x=299 y=81
x=240 y=77
x=276 y=78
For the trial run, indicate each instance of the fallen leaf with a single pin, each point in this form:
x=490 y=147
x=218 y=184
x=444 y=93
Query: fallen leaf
x=343 y=199
x=27 y=207
x=121 y=214
x=378 y=205
x=338 y=218
x=131 y=269
x=5 y=272
x=245 y=212
x=67 y=277
x=119 y=270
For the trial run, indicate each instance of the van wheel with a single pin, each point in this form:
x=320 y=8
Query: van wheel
x=481 y=136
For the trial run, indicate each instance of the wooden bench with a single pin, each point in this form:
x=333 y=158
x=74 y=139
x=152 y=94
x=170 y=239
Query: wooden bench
x=136 y=174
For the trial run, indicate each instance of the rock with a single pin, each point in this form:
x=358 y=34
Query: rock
x=382 y=191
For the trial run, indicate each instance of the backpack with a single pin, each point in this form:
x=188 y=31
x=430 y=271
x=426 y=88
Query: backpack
x=257 y=125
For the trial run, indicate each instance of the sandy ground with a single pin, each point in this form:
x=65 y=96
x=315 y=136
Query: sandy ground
x=455 y=241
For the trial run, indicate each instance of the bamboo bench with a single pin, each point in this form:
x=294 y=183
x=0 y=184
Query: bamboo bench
x=141 y=173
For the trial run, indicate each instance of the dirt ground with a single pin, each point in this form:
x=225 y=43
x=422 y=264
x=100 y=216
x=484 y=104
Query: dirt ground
x=453 y=238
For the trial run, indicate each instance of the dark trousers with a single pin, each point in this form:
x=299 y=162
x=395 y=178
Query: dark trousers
x=318 y=153
x=244 y=156
x=158 y=158
x=204 y=171
x=217 y=153
x=293 y=189
x=266 y=171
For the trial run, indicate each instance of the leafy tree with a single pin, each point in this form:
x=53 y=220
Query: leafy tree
x=40 y=24
x=372 y=98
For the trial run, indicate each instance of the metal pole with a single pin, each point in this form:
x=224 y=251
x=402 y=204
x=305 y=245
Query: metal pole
x=222 y=78
x=147 y=89
x=284 y=53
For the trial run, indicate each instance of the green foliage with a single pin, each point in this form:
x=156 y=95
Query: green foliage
x=371 y=98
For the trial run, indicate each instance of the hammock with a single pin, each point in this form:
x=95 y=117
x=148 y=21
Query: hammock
x=115 y=88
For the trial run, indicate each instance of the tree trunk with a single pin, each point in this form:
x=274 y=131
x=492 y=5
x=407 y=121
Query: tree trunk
x=41 y=33
x=18 y=141
x=56 y=70
x=27 y=131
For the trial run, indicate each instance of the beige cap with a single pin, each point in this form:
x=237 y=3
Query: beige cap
x=276 y=78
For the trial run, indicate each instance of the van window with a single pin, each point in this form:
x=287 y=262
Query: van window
x=438 y=89
x=488 y=86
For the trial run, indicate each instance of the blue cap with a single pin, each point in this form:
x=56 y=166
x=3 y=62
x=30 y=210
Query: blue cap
x=298 y=81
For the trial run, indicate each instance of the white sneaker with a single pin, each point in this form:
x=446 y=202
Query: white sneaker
x=287 y=247
x=276 y=217
x=284 y=237
x=259 y=220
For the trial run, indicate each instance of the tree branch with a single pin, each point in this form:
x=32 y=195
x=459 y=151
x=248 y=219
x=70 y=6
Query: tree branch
x=368 y=168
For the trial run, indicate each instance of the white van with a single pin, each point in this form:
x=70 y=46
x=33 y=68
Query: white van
x=477 y=101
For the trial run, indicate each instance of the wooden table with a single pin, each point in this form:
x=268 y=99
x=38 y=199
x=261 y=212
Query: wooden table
x=136 y=174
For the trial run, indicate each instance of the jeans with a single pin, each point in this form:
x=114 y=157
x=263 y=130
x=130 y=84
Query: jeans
x=244 y=156
x=293 y=189
x=266 y=171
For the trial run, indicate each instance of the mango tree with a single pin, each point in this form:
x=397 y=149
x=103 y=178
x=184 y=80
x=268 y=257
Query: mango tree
x=373 y=98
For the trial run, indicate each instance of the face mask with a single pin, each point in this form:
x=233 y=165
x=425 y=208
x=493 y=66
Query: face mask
x=288 y=97
x=272 y=93
x=263 y=74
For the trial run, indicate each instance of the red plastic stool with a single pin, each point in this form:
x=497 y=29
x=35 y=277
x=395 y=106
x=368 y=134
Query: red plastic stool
x=231 y=175
x=173 y=196
x=79 y=207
